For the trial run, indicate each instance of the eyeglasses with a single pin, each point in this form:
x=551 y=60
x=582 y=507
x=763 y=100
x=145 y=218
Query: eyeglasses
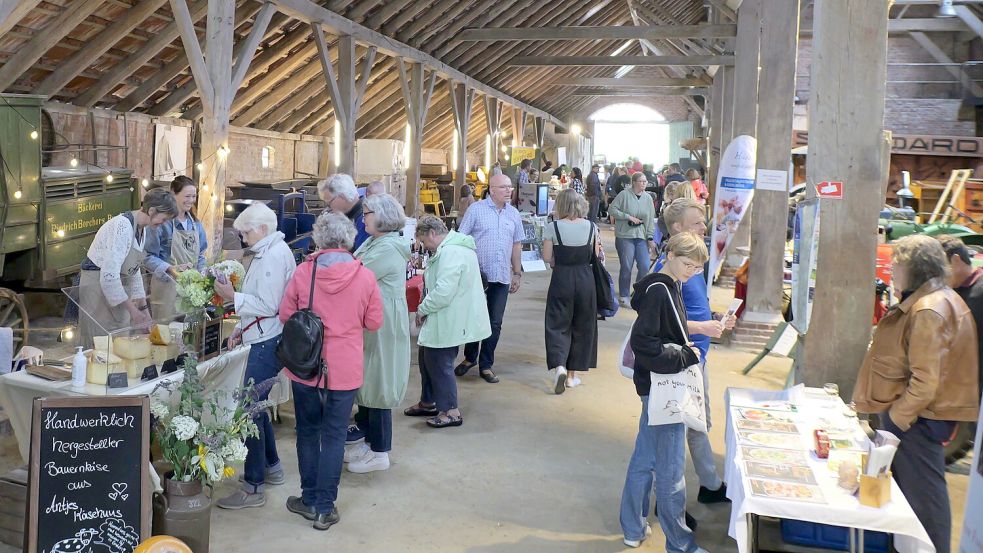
x=366 y=212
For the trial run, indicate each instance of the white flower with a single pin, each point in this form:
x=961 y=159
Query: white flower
x=235 y=451
x=214 y=465
x=184 y=427
x=159 y=409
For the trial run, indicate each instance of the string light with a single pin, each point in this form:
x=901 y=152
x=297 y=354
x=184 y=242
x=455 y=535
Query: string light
x=214 y=198
x=200 y=166
x=224 y=151
x=109 y=178
x=18 y=194
x=228 y=207
x=34 y=135
x=60 y=233
x=145 y=183
x=204 y=186
x=74 y=162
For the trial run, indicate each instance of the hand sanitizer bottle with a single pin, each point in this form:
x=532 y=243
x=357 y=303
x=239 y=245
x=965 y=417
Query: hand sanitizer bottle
x=79 y=367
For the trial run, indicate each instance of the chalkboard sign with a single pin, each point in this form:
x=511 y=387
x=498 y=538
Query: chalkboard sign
x=89 y=483
x=212 y=342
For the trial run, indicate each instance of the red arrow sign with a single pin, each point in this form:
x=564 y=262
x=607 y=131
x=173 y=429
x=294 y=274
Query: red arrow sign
x=830 y=189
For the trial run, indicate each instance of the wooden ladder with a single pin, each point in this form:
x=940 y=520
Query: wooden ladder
x=947 y=201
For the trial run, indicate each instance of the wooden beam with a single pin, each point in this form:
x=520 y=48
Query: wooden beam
x=69 y=68
x=309 y=12
x=136 y=60
x=616 y=61
x=927 y=25
x=540 y=126
x=968 y=16
x=627 y=82
x=851 y=39
x=722 y=7
x=747 y=69
x=244 y=54
x=185 y=92
x=196 y=59
x=28 y=54
x=462 y=104
x=12 y=11
x=642 y=94
x=417 y=93
x=627 y=32
x=941 y=57
x=778 y=48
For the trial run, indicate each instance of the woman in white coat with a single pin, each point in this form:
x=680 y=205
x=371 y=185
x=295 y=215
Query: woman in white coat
x=111 y=294
x=259 y=327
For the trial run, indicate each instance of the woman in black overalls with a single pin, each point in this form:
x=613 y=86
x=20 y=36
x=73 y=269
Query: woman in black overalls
x=571 y=303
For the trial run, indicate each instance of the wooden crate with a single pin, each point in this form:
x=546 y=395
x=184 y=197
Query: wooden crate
x=13 y=506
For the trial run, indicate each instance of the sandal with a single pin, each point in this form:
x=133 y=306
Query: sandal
x=489 y=376
x=417 y=410
x=437 y=422
x=463 y=368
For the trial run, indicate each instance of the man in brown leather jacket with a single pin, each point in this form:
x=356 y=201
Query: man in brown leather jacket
x=921 y=376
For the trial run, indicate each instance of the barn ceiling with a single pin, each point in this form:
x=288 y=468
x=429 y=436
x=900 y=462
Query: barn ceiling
x=126 y=55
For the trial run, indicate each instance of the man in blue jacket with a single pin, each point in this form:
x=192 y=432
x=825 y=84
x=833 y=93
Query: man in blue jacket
x=684 y=215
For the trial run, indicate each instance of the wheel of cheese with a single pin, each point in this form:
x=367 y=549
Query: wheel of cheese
x=162 y=544
x=131 y=347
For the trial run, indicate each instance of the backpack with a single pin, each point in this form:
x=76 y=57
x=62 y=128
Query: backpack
x=301 y=341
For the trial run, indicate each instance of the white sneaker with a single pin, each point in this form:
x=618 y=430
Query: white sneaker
x=372 y=461
x=355 y=452
x=637 y=543
x=574 y=382
x=559 y=379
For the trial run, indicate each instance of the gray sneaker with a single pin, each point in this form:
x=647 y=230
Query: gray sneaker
x=323 y=522
x=240 y=499
x=297 y=505
x=272 y=478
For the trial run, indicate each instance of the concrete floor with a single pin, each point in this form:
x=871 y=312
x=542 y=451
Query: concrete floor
x=528 y=471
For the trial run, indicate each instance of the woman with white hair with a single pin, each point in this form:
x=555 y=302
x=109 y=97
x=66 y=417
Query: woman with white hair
x=387 y=352
x=257 y=305
x=344 y=294
x=341 y=196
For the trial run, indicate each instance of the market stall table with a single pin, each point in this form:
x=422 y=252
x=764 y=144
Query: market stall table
x=764 y=448
x=18 y=389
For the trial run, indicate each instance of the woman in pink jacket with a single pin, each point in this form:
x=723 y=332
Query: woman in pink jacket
x=347 y=299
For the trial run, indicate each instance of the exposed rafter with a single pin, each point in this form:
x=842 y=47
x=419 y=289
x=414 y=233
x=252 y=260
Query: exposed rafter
x=601 y=33
x=614 y=61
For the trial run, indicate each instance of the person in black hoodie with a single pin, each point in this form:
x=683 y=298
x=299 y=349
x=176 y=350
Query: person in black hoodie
x=661 y=345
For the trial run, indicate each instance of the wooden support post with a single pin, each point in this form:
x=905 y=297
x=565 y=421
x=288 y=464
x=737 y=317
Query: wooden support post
x=779 y=41
x=417 y=92
x=462 y=101
x=213 y=73
x=540 y=124
x=850 y=38
x=518 y=126
x=715 y=147
x=727 y=113
x=493 y=120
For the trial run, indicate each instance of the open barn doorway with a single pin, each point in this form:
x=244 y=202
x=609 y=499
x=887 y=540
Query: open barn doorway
x=628 y=131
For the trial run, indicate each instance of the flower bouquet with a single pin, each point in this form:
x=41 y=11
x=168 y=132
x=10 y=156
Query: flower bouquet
x=202 y=436
x=197 y=288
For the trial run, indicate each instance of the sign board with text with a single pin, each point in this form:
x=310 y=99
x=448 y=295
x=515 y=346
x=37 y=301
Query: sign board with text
x=917 y=144
x=830 y=189
x=89 y=483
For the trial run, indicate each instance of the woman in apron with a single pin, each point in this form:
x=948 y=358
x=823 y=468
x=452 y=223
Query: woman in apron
x=176 y=246
x=571 y=302
x=111 y=293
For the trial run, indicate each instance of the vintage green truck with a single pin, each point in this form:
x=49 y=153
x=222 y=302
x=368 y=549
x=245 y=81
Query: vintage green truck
x=48 y=215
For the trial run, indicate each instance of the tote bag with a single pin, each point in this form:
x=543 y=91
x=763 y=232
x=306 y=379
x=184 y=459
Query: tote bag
x=673 y=398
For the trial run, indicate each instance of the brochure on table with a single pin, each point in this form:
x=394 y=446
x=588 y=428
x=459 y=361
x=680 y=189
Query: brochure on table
x=972 y=536
x=773 y=470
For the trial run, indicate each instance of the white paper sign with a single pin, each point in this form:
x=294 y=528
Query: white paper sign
x=771 y=179
x=533 y=265
x=786 y=341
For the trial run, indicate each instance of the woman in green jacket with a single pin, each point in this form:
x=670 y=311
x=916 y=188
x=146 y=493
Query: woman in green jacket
x=634 y=228
x=453 y=312
x=387 y=351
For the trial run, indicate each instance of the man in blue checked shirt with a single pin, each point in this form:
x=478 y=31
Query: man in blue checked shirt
x=496 y=227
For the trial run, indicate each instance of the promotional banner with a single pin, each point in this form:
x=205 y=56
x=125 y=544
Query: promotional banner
x=972 y=536
x=735 y=188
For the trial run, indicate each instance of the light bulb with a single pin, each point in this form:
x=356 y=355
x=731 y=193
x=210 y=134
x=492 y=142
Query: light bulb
x=200 y=166
x=131 y=189
x=109 y=178
x=74 y=162
x=214 y=198
x=506 y=158
x=504 y=149
x=69 y=334
x=18 y=194
x=575 y=128
x=224 y=151
x=60 y=233
x=204 y=186
x=34 y=135
x=228 y=207
x=145 y=183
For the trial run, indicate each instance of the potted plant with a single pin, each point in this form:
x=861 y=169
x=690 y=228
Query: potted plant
x=200 y=437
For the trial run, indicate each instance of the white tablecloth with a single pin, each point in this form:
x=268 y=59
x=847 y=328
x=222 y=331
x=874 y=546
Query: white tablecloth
x=18 y=390
x=841 y=509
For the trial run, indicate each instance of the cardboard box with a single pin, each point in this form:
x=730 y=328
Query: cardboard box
x=875 y=491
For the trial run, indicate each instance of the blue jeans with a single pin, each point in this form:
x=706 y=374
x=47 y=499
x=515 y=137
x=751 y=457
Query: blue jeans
x=699 y=444
x=321 y=434
x=496 y=296
x=261 y=365
x=660 y=454
x=631 y=251
x=378 y=427
x=437 y=382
